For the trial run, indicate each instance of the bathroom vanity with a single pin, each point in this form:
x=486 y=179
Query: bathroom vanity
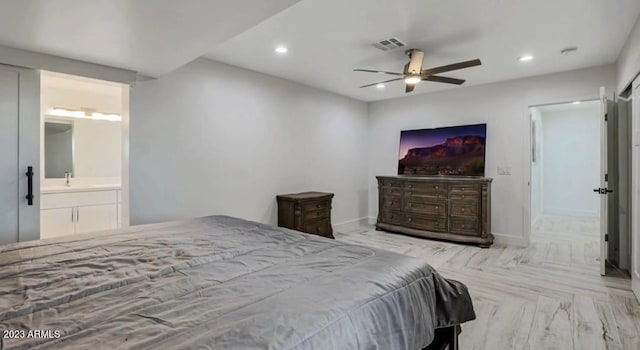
x=79 y=209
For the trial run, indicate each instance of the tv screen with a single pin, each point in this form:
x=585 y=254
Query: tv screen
x=456 y=150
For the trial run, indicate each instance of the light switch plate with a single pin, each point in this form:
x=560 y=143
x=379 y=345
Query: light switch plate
x=504 y=170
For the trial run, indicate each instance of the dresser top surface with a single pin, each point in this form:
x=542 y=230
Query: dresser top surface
x=438 y=178
x=305 y=195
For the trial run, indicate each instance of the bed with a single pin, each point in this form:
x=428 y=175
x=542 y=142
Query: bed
x=221 y=283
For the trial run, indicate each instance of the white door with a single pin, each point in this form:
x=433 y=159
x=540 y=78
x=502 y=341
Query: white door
x=635 y=188
x=60 y=222
x=96 y=218
x=19 y=149
x=8 y=156
x=603 y=190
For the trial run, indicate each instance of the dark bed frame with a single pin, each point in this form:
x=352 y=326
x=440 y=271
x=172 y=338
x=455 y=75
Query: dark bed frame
x=445 y=338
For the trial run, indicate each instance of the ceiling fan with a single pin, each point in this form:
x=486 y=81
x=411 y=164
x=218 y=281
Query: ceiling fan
x=413 y=72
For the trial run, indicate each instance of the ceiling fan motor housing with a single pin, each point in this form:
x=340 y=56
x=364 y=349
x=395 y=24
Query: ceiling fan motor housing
x=415 y=63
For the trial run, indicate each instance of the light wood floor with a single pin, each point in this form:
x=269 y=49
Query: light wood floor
x=546 y=296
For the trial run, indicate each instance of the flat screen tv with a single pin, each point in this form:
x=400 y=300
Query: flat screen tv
x=450 y=151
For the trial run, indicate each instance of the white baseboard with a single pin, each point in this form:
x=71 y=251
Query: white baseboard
x=350 y=224
x=517 y=241
x=569 y=212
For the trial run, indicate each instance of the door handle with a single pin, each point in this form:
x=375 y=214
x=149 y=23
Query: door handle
x=602 y=190
x=29 y=185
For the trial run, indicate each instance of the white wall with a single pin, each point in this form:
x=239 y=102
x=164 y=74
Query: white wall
x=210 y=138
x=571 y=161
x=628 y=64
x=97 y=148
x=504 y=107
x=537 y=166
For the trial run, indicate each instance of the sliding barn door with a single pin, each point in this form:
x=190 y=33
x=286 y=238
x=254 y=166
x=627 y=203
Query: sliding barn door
x=19 y=152
x=635 y=190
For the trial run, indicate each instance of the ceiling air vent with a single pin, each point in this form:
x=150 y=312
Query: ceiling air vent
x=389 y=44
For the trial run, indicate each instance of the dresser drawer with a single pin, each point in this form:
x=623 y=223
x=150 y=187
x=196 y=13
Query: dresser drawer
x=392 y=203
x=320 y=227
x=315 y=206
x=461 y=207
x=434 y=207
x=426 y=186
x=426 y=222
x=464 y=195
x=391 y=217
x=465 y=188
x=421 y=195
x=465 y=226
x=390 y=183
x=392 y=191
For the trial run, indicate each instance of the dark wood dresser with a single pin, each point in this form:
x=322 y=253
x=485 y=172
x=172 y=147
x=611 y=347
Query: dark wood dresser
x=308 y=212
x=449 y=208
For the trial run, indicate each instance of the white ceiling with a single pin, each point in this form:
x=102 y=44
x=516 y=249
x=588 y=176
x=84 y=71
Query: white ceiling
x=152 y=37
x=328 y=38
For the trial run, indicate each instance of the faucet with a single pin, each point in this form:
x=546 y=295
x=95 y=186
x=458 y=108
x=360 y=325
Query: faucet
x=67 y=177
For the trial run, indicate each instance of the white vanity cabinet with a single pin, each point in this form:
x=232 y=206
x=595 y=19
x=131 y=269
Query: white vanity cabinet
x=67 y=212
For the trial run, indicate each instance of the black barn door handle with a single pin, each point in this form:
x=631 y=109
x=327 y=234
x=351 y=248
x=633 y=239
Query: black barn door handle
x=30 y=185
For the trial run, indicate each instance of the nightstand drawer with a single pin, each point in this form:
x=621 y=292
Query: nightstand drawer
x=315 y=206
x=318 y=227
x=315 y=214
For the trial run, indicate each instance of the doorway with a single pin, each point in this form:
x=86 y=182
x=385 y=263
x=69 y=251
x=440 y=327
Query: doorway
x=82 y=142
x=565 y=168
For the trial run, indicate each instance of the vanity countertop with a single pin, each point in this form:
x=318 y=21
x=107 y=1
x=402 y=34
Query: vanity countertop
x=80 y=188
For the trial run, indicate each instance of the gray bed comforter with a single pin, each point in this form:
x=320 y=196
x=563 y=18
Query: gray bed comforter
x=219 y=283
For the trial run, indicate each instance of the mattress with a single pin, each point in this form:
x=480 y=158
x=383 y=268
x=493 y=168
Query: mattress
x=219 y=283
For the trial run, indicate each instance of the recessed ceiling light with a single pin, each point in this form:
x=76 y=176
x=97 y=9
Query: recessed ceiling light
x=281 y=49
x=380 y=86
x=525 y=58
x=576 y=102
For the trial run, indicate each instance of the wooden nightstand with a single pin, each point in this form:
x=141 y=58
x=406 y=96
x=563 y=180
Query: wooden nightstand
x=308 y=212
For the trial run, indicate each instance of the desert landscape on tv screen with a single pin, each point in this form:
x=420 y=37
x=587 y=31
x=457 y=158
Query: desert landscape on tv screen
x=453 y=151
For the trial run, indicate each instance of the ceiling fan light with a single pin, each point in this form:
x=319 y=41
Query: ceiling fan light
x=412 y=79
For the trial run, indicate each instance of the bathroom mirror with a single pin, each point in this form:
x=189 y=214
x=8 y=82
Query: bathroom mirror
x=84 y=147
x=58 y=148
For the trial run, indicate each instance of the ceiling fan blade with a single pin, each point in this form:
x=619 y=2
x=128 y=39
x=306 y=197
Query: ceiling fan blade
x=450 y=67
x=409 y=87
x=377 y=71
x=441 y=79
x=381 y=82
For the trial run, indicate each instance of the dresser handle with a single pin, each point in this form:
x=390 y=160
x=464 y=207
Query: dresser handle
x=437 y=207
x=462 y=209
x=409 y=205
x=437 y=187
x=318 y=205
x=410 y=185
x=462 y=196
x=318 y=228
x=409 y=220
x=318 y=213
x=462 y=226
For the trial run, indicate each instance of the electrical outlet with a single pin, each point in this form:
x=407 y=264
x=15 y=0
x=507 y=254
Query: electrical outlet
x=504 y=170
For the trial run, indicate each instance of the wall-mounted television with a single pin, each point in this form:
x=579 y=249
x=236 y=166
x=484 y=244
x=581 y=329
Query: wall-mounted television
x=449 y=151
